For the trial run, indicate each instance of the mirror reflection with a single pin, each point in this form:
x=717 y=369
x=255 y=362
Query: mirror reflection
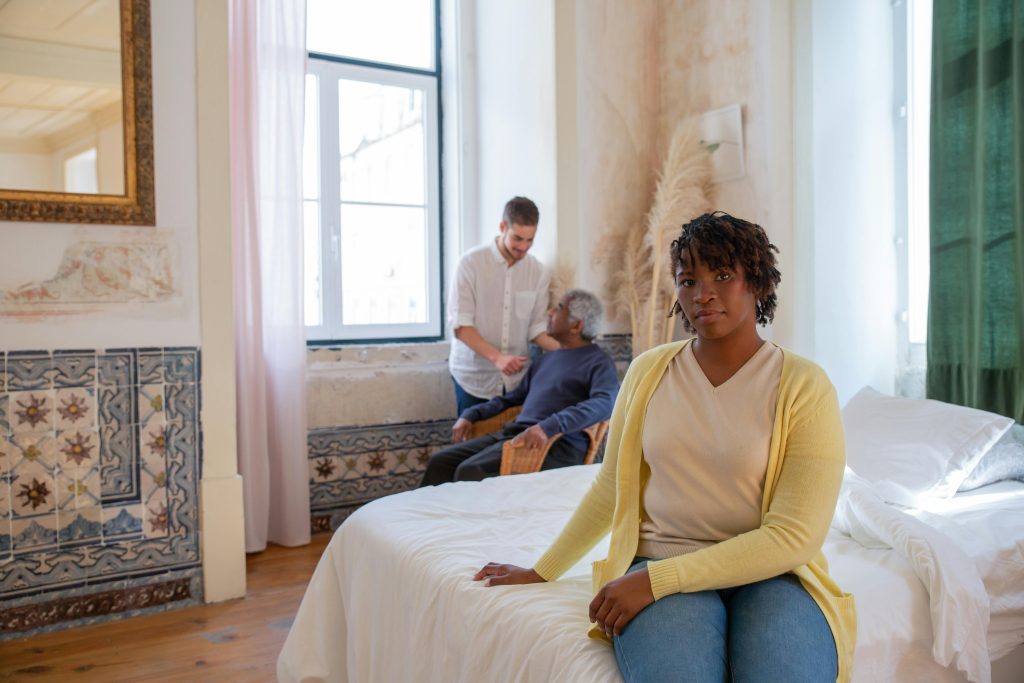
x=61 y=125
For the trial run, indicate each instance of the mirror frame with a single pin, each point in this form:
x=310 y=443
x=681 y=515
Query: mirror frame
x=137 y=206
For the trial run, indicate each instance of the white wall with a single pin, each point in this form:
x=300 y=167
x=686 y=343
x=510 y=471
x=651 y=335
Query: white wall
x=110 y=164
x=24 y=171
x=515 y=131
x=849 y=212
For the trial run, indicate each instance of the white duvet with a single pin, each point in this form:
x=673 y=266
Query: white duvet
x=392 y=599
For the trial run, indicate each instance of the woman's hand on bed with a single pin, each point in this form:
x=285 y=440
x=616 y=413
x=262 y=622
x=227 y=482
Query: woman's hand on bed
x=620 y=600
x=494 y=574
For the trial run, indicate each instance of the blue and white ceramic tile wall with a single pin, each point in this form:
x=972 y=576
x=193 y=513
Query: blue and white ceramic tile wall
x=99 y=471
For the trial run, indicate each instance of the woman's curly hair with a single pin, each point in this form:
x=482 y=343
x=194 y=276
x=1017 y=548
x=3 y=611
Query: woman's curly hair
x=722 y=241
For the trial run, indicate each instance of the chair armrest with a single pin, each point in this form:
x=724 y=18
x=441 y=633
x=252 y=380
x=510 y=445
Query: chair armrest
x=523 y=460
x=493 y=424
x=596 y=433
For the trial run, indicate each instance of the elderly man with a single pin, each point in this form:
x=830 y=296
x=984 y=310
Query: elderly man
x=564 y=392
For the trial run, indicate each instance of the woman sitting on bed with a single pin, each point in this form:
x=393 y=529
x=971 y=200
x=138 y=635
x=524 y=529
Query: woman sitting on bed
x=720 y=478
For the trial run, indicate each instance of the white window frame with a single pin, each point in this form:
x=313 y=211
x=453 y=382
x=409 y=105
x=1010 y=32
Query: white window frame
x=911 y=213
x=332 y=330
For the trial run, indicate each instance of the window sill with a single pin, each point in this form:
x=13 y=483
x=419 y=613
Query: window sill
x=376 y=356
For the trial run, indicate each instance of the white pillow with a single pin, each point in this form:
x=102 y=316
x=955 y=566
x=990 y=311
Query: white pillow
x=915 y=449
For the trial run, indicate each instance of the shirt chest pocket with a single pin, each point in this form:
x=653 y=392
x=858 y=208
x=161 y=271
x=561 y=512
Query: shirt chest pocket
x=524 y=302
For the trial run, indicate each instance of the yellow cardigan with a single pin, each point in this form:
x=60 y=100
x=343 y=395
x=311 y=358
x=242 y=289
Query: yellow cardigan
x=805 y=470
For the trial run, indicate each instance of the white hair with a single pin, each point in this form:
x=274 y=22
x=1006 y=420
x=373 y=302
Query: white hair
x=587 y=308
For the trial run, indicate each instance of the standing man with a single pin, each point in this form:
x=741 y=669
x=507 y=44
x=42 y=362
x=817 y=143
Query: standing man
x=497 y=305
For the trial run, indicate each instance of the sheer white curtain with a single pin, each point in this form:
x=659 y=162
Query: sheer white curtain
x=268 y=54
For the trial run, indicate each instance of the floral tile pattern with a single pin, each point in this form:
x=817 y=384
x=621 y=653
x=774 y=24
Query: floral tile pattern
x=5 y=420
x=75 y=408
x=99 y=470
x=32 y=412
x=5 y=497
x=349 y=466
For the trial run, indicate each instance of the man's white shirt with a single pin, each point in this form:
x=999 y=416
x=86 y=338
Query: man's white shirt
x=506 y=304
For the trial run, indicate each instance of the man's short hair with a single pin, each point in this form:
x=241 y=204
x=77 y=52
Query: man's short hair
x=587 y=308
x=520 y=211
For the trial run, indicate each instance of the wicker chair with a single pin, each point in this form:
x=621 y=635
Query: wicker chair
x=493 y=424
x=522 y=460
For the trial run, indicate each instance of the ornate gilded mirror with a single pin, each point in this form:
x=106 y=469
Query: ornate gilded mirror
x=76 y=112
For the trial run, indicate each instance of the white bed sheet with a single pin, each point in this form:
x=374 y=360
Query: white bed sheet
x=988 y=524
x=392 y=599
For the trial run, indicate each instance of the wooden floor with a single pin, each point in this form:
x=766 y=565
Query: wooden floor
x=227 y=642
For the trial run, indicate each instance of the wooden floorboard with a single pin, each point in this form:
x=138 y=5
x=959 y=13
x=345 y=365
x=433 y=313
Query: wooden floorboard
x=237 y=640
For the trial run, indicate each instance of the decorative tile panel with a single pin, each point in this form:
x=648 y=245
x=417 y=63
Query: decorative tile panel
x=91 y=604
x=29 y=371
x=350 y=466
x=118 y=442
x=5 y=420
x=32 y=412
x=74 y=368
x=5 y=539
x=76 y=408
x=33 y=490
x=618 y=346
x=99 y=473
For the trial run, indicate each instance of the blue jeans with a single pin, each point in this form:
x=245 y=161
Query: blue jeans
x=770 y=631
x=464 y=399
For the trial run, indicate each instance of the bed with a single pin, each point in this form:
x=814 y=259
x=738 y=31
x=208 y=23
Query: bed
x=392 y=599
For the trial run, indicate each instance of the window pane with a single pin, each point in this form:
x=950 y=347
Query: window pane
x=392 y=31
x=381 y=140
x=80 y=172
x=919 y=130
x=311 y=140
x=383 y=264
x=312 y=285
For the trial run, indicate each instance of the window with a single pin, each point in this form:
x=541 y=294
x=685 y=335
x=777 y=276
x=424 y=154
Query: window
x=918 y=128
x=80 y=172
x=371 y=171
x=912 y=35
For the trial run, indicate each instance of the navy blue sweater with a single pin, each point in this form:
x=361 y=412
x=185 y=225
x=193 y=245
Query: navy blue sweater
x=564 y=392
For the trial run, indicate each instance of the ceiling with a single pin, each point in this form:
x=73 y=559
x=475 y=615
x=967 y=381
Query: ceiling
x=60 y=71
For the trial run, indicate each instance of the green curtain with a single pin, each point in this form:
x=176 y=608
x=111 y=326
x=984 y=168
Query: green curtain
x=976 y=299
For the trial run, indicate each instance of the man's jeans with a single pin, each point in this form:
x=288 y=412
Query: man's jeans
x=464 y=399
x=770 y=631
